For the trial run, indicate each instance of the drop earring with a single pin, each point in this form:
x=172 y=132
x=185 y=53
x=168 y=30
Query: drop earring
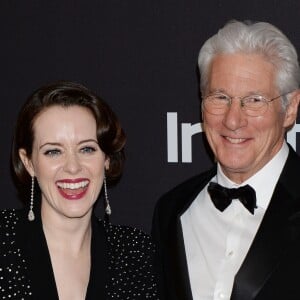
x=106 y=200
x=31 y=216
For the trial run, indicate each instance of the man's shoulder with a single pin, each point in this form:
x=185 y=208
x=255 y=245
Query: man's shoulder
x=293 y=155
x=186 y=190
x=290 y=174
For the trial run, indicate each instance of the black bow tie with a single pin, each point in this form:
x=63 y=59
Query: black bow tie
x=222 y=197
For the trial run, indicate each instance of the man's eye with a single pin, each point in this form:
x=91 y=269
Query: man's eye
x=254 y=99
x=52 y=152
x=87 y=149
x=220 y=97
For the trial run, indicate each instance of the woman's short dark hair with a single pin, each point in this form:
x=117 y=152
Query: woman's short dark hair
x=110 y=135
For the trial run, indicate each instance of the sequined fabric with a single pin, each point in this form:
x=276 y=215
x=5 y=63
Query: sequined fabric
x=130 y=256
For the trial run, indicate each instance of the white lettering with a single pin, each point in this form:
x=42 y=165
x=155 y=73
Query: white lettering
x=188 y=131
x=172 y=137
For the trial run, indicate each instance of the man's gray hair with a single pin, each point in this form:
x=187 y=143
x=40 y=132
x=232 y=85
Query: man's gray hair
x=253 y=38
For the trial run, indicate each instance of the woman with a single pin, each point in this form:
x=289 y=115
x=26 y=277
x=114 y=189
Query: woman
x=67 y=144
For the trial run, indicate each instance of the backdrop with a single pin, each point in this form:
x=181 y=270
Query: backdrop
x=141 y=57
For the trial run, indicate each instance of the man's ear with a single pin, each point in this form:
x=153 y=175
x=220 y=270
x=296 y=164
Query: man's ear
x=292 y=110
x=26 y=161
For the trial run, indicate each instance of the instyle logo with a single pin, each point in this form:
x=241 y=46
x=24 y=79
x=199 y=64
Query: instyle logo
x=188 y=130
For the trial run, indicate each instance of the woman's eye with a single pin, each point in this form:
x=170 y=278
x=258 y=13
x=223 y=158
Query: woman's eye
x=52 y=152
x=88 y=149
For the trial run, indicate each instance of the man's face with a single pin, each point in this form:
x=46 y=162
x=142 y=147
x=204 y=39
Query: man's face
x=243 y=144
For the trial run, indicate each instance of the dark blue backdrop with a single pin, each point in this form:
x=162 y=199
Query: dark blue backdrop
x=141 y=56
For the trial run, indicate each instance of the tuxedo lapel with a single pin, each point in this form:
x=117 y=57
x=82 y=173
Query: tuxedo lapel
x=177 y=266
x=265 y=252
x=272 y=238
x=167 y=234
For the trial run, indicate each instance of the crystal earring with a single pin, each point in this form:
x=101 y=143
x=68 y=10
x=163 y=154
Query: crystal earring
x=106 y=201
x=31 y=216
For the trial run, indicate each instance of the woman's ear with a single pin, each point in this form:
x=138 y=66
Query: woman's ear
x=106 y=163
x=26 y=161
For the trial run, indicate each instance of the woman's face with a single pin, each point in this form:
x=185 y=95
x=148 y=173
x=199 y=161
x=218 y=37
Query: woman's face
x=67 y=161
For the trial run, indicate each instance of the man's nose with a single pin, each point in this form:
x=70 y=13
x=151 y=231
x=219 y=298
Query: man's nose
x=234 y=117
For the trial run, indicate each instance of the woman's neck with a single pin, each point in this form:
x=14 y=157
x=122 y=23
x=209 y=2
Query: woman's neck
x=69 y=244
x=67 y=235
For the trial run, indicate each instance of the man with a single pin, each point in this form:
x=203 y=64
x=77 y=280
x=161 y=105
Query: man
x=238 y=243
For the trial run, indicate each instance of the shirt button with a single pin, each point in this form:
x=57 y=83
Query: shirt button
x=230 y=253
x=222 y=295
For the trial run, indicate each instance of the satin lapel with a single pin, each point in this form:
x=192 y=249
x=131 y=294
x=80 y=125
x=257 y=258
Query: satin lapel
x=167 y=234
x=99 y=274
x=40 y=268
x=272 y=237
x=178 y=272
x=175 y=258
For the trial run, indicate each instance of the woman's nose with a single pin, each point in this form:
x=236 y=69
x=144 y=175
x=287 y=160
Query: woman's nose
x=72 y=164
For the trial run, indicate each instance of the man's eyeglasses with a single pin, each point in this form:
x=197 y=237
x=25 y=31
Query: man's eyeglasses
x=254 y=105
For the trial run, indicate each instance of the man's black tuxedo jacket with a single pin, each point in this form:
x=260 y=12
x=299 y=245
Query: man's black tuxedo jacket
x=271 y=269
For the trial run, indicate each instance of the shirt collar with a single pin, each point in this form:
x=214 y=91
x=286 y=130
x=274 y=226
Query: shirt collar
x=264 y=181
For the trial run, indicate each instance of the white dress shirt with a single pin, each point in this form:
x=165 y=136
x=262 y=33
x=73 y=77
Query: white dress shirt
x=216 y=243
